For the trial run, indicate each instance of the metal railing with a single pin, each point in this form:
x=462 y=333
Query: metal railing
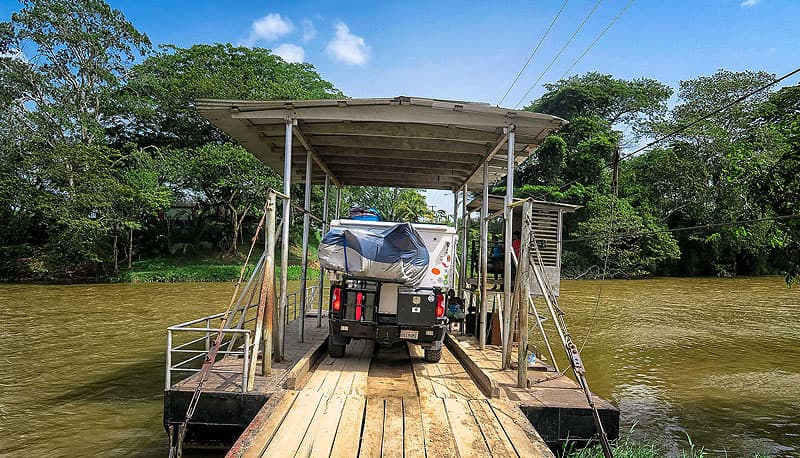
x=200 y=334
x=188 y=343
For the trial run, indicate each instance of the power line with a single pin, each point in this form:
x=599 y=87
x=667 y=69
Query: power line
x=546 y=32
x=688 y=125
x=687 y=228
x=712 y=113
x=574 y=34
x=600 y=36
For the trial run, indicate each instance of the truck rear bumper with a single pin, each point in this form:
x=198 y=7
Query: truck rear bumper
x=385 y=334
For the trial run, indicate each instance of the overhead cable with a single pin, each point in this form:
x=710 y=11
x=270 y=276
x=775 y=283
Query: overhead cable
x=690 y=124
x=597 y=38
x=572 y=37
x=687 y=228
x=538 y=45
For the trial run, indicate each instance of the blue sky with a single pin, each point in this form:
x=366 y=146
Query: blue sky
x=473 y=50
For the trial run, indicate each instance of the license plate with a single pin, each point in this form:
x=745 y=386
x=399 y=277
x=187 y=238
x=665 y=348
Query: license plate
x=409 y=334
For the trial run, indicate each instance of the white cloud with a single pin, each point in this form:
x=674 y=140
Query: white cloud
x=309 y=31
x=269 y=28
x=290 y=52
x=748 y=3
x=348 y=48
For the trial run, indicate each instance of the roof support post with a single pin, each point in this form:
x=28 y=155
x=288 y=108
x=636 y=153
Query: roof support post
x=304 y=279
x=324 y=228
x=338 y=200
x=287 y=188
x=453 y=271
x=507 y=274
x=484 y=253
x=462 y=274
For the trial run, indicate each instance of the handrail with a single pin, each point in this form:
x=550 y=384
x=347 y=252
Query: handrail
x=180 y=355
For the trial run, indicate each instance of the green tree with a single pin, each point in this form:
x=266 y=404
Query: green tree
x=156 y=107
x=393 y=204
x=630 y=240
x=59 y=62
x=229 y=181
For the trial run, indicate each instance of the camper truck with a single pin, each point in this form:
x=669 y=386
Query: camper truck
x=389 y=283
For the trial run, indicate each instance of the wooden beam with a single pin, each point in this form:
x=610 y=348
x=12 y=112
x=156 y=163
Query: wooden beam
x=310 y=150
x=397 y=183
x=407 y=114
x=345 y=161
x=391 y=169
x=381 y=129
x=489 y=156
x=395 y=143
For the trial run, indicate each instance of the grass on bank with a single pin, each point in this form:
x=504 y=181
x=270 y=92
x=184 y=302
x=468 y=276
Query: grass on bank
x=209 y=270
x=625 y=448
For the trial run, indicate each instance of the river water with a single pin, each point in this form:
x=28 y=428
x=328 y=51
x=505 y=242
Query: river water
x=82 y=366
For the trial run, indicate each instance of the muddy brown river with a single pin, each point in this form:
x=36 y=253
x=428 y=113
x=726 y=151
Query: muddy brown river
x=716 y=360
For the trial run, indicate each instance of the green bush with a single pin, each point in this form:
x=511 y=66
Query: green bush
x=162 y=271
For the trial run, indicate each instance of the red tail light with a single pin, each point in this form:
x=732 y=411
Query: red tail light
x=359 y=303
x=336 y=304
x=439 y=305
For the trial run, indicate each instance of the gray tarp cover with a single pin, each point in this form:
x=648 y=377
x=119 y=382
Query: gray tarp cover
x=396 y=254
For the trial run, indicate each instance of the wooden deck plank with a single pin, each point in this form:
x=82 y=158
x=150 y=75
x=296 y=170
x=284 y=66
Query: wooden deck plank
x=468 y=436
x=492 y=430
x=322 y=431
x=345 y=384
x=294 y=425
x=520 y=432
x=345 y=445
x=458 y=380
x=392 y=428
x=424 y=384
x=359 y=385
x=273 y=419
x=413 y=432
x=439 y=441
x=372 y=433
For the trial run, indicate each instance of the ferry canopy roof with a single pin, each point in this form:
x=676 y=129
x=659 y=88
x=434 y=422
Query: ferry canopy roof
x=406 y=142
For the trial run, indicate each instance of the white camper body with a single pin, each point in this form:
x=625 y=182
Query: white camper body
x=440 y=241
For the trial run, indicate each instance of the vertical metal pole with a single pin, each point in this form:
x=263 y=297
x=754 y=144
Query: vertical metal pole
x=338 y=200
x=246 y=384
x=484 y=253
x=453 y=271
x=168 y=377
x=268 y=288
x=507 y=215
x=324 y=228
x=287 y=182
x=524 y=295
x=462 y=274
x=304 y=279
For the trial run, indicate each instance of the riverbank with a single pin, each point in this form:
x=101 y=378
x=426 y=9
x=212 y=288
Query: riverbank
x=208 y=270
x=625 y=448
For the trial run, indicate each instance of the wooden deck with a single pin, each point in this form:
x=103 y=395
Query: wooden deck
x=389 y=403
x=554 y=403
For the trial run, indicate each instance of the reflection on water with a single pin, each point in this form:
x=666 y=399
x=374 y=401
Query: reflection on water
x=82 y=366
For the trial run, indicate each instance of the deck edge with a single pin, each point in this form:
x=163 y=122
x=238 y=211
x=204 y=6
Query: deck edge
x=487 y=383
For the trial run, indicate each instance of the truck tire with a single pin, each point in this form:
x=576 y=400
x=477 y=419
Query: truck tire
x=336 y=350
x=433 y=356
